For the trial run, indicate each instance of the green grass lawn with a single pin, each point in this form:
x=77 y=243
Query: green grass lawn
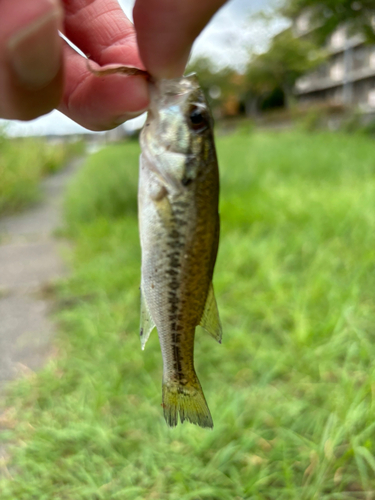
x=292 y=387
x=23 y=163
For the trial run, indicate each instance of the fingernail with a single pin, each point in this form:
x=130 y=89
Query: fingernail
x=128 y=116
x=174 y=70
x=35 y=51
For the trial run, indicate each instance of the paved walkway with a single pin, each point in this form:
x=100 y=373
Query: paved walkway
x=29 y=260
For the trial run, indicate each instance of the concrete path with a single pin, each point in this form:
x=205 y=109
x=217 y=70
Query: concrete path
x=29 y=260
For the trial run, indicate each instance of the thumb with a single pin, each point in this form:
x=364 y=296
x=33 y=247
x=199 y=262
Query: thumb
x=30 y=57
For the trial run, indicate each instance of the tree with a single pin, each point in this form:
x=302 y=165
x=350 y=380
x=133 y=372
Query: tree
x=219 y=84
x=328 y=15
x=286 y=60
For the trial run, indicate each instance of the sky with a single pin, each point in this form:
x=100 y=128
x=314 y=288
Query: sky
x=227 y=40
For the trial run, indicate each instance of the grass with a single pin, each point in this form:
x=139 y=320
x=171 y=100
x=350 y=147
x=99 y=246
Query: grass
x=23 y=163
x=292 y=387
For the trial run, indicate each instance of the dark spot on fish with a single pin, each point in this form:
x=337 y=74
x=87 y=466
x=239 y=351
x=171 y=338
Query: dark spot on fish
x=177 y=361
x=175 y=263
x=186 y=181
x=141 y=332
x=181 y=204
x=173 y=255
x=152 y=285
x=174 y=234
x=176 y=338
x=173 y=308
x=180 y=222
x=172 y=272
x=174 y=244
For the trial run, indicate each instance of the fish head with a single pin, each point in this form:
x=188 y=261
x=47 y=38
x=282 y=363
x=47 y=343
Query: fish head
x=178 y=131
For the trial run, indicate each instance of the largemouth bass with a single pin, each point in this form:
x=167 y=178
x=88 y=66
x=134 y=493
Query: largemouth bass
x=179 y=231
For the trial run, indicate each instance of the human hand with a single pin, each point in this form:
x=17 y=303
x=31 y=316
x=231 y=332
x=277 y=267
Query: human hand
x=166 y=30
x=39 y=72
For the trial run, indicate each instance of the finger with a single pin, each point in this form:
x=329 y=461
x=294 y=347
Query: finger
x=100 y=103
x=101 y=29
x=166 y=30
x=30 y=58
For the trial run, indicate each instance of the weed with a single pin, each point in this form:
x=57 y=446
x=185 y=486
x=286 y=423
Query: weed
x=290 y=389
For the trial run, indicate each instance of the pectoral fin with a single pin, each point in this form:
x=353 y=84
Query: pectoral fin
x=210 y=320
x=147 y=323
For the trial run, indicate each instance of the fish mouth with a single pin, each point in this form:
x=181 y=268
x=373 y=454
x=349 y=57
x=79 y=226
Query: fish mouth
x=166 y=91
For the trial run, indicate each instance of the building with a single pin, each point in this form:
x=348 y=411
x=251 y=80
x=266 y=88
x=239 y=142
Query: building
x=346 y=78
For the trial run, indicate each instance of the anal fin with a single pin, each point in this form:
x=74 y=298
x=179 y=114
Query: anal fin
x=147 y=323
x=210 y=320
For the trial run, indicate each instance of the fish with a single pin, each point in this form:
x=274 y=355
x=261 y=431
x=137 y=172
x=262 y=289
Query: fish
x=179 y=228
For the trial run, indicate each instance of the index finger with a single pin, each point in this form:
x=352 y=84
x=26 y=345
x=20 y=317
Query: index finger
x=166 y=30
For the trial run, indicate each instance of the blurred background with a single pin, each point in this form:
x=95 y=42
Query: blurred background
x=270 y=60
x=292 y=388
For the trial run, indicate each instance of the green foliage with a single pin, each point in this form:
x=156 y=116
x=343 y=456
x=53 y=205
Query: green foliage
x=106 y=186
x=270 y=75
x=290 y=389
x=355 y=123
x=328 y=15
x=352 y=123
x=23 y=162
x=286 y=60
x=224 y=80
x=369 y=128
x=312 y=121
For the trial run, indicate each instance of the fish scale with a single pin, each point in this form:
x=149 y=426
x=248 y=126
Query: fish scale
x=179 y=232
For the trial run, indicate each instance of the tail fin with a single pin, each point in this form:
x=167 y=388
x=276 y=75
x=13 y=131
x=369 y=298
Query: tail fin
x=188 y=401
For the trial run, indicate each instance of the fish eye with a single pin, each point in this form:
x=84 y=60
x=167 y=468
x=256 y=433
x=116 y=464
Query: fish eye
x=198 y=119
